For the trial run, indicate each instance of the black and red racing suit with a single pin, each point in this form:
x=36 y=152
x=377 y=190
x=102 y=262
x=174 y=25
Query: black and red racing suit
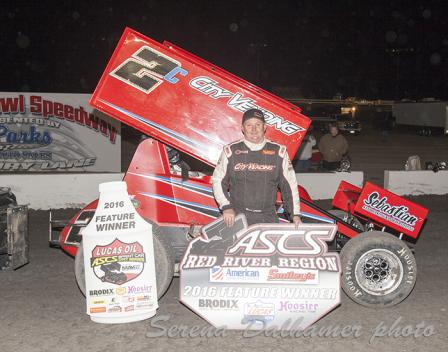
x=248 y=177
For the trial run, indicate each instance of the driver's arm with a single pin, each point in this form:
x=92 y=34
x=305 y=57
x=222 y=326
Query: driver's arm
x=221 y=182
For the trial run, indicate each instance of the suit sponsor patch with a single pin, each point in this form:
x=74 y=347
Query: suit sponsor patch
x=268 y=152
x=253 y=167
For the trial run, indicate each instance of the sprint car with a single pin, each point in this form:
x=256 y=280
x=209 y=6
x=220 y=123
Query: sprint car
x=184 y=103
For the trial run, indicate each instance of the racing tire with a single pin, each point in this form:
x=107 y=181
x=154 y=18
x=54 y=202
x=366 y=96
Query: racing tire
x=7 y=199
x=352 y=220
x=378 y=269
x=164 y=262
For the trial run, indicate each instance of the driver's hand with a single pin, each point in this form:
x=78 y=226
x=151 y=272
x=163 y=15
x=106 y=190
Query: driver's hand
x=229 y=217
x=296 y=220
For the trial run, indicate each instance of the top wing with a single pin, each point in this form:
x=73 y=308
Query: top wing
x=186 y=102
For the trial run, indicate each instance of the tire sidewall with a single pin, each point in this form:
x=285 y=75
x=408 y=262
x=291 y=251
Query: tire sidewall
x=350 y=256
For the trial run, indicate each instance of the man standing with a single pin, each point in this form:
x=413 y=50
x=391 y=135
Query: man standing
x=333 y=146
x=249 y=173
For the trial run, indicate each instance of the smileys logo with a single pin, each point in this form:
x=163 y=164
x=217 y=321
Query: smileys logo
x=147 y=68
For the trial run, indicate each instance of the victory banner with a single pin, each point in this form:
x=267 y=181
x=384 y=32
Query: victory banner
x=266 y=276
x=44 y=132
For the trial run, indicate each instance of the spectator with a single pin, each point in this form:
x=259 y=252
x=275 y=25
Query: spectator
x=333 y=147
x=302 y=161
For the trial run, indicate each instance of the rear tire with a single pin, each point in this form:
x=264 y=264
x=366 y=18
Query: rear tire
x=378 y=269
x=164 y=262
x=7 y=199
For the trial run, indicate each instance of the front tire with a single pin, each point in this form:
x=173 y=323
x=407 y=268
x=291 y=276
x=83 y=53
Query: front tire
x=163 y=257
x=378 y=269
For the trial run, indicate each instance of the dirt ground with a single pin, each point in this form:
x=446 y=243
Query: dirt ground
x=42 y=309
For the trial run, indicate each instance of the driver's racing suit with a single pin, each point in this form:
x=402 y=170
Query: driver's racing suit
x=248 y=176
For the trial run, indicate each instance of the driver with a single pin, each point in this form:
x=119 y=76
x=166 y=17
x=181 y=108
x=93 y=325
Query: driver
x=249 y=173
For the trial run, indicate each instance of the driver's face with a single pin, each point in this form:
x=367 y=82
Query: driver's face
x=254 y=130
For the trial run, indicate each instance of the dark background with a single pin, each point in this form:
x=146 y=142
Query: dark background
x=367 y=49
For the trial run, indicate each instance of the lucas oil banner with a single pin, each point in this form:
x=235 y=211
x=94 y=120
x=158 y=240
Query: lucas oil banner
x=45 y=132
x=261 y=277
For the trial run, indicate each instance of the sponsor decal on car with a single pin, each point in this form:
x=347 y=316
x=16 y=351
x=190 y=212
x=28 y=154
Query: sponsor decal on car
x=148 y=68
x=239 y=102
x=398 y=214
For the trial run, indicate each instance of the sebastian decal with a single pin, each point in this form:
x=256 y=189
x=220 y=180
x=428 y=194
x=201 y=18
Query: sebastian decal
x=398 y=214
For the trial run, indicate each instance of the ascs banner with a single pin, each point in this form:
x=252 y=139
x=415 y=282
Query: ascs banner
x=46 y=132
x=266 y=276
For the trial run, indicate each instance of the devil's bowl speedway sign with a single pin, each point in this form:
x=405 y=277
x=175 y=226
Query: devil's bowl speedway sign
x=56 y=132
x=261 y=277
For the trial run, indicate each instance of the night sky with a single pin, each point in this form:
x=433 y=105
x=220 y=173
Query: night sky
x=366 y=49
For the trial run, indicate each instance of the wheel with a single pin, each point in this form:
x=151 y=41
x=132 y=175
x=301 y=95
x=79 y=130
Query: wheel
x=164 y=261
x=352 y=220
x=378 y=269
x=7 y=199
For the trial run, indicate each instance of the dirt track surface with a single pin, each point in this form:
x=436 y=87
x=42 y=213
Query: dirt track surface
x=42 y=309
